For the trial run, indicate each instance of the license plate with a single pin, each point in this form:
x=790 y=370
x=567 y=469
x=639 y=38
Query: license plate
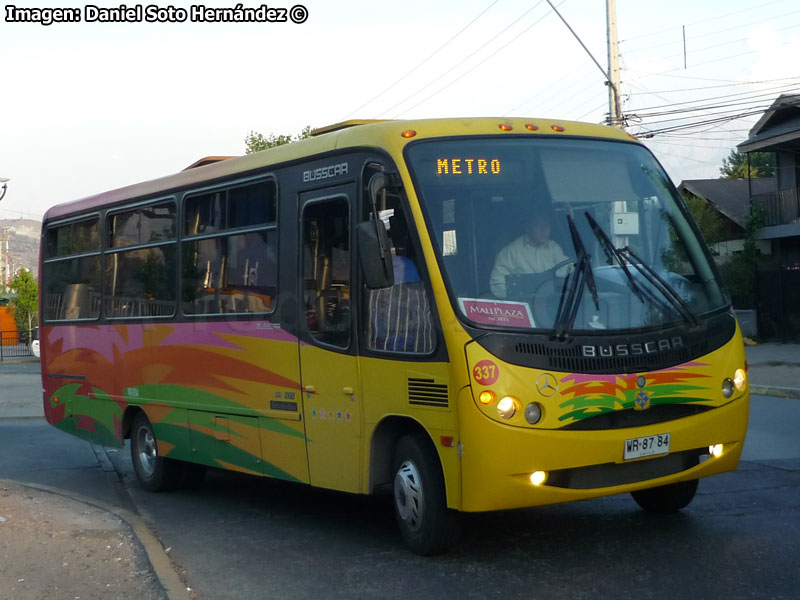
x=648 y=445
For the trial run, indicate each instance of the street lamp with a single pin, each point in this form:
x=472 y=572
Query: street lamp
x=3 y=180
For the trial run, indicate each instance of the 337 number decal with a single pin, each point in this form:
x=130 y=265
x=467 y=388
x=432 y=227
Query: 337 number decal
x=485 y=372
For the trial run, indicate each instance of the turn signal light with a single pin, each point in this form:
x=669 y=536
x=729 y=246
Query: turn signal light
x=486 y=397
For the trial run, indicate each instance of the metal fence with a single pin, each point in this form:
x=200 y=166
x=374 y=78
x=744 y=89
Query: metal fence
x=779 y=304
x=16 y=344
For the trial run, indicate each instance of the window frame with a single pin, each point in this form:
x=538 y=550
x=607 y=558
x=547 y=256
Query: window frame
x=183 y=237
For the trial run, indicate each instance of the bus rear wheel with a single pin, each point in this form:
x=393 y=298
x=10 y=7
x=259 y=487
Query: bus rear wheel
x=427 y=525
x=666 y=498
x=154 y=472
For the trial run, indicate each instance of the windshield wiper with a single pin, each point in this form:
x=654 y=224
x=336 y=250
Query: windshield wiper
x=623 y=257
x=658 y=282
x=613 y=253
x=572 y=290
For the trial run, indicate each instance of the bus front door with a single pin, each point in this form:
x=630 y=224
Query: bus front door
x=328 y=362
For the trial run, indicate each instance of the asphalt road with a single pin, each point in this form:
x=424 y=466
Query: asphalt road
x=239 y=537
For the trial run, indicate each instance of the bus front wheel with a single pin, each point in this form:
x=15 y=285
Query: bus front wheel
x=666 y=498
x=420 y=504
x=154 y=472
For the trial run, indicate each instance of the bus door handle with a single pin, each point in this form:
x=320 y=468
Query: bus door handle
x=310 y=389
x=348 y=390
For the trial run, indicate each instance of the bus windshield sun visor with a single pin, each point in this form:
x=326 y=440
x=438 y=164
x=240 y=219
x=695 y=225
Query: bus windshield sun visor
x=572 y=290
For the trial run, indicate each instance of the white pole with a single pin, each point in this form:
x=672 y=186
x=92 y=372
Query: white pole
x=614 y=107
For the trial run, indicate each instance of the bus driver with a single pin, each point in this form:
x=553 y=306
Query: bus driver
x=532 y=252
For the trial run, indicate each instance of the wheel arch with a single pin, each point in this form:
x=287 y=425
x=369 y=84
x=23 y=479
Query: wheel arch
x=127 y=420
x=384 y=439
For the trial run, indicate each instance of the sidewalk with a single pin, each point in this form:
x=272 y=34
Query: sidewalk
x=774 y=369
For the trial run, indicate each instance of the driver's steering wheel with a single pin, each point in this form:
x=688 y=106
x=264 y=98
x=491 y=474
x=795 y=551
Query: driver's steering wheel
x=546 y=294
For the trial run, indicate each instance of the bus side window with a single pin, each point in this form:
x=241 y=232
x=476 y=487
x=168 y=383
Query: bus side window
x=326 y=271
x=398 y=318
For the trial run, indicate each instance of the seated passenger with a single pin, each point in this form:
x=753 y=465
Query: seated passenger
x=532 y=252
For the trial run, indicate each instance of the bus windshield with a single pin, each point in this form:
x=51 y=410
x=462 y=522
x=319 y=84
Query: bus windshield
x=563 y=234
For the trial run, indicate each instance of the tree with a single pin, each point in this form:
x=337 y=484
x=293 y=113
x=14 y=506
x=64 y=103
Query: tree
x=734 y=166
x=710 y=222
x=25 y=305
x=739 y=274
x=255 y=142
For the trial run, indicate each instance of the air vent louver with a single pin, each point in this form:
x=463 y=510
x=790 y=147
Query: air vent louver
x=424 y=392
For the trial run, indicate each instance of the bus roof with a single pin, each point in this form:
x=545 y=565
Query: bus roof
x=350 y=134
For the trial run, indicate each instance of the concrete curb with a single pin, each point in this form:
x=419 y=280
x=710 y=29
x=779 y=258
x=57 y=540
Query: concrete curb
x=163 y=567
x=773 y=390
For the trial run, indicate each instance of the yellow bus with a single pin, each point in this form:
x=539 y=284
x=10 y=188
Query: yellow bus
x=469 y=314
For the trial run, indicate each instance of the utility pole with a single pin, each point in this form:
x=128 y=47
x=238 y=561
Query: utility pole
x=614 y=106
x=612 y=75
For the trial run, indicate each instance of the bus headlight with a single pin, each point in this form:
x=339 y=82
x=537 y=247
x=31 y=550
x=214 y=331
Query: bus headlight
x=740 y=379
x=507 y=407
x=533 y=413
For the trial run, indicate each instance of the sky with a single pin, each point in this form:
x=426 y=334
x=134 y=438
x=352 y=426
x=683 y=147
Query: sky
x=91 y=106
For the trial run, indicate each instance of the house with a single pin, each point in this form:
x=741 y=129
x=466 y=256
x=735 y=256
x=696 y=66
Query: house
x=778 y=131
x=778 y=285
x=731 y=199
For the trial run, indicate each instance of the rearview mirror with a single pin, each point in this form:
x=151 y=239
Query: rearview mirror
x=374 y=254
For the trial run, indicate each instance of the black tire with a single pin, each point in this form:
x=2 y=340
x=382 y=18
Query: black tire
x=666 y=498
x=155 y=473
x=427 y=525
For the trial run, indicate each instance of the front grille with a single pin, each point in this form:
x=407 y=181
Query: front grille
x=621 y=419
x=570 y=359
x=539 y=350
x=611 y=474
x=424 y=392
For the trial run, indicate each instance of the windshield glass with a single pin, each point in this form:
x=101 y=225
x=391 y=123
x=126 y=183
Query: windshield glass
x=566 y=234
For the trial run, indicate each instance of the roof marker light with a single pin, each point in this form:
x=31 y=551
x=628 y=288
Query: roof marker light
x=558 y=128
x=531 y=127
x=409 y=133
x=505 y=127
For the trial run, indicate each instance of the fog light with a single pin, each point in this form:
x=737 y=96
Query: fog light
x=727 y=388
x=740 y=379
x=507 y=407
x=533 y=413
x=486 y=397
x=715 y=450
x=538 y=477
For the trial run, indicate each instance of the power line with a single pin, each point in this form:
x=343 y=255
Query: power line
x=719 y=31
x=503 y=47
x=426 y=59
x=648 y=133
x=749 y=99
x=709 y=87
x=431 y=82
x=671 y=29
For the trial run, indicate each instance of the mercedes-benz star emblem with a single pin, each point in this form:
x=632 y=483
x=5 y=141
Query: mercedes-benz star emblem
x=547 y=384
